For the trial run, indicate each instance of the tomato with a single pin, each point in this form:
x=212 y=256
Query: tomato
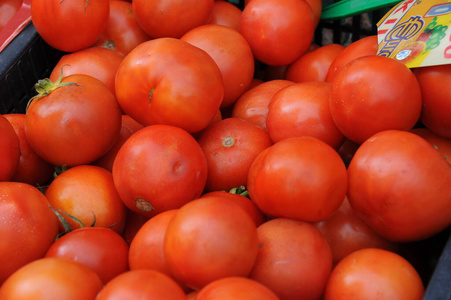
x=278 y=31
x=101 y=249
x=122 y=32
x=434 y=81
x=346 y=232
x=402 y=195
x=171 y=18
x=230 y=146
x=27 y=226
x=8 y=9
x=169 y=86
x=373 y=273
x=374 y=93
x=87 y=193
x=236 y=288
x=133 y=222
x=294 y=260
x=442 y=144
x=32 y=169
x=9 y=150
x=232 y=54
x=361 y=47
x=301 y=178
x=158 y=168
x=313 y=65
x=252 y=105
x=142 y=284
x=226 y=14
x=70 y=25
x=303 y=109
x=63 y=126
x=208 y=239
x=98 y=62
x=316 y=6
x=59 y=278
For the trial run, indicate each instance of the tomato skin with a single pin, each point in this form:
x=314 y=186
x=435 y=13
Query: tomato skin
x=70 y=25
x=61 y=278
x=63 y=127
x=27 y=225
x=392 y=187
x=374 y=274
x=173 y=80
x=301 y=178
x=226 y=14
x=160 y=167
x=443 y=145
x=374 y=93
x=9 y=150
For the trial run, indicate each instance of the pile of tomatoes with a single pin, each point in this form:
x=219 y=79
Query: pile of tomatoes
x=198 y=150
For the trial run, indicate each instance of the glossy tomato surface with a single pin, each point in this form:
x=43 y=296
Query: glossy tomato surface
x=9 y=149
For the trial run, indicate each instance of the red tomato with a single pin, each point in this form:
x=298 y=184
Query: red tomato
x=122 y=32
x=443 y=145
x=171 y=18
x=301 y=178
x=252 y=106
x=98 y=62
x=133 y=222
x=316 y=6
x=374 y=93
x=434 y=83
x=87 y=193
x=55 y=277
x=237 y=288
x=278 y=31
x=303 y=109
x=226 y=14
x=9 y=150
x=374 y=274
x=230 y=146
x=27 y=226
x=208 y=239
x=313 y=65
x=101 y=249
x=402 y=194
x=73 y=24
x=8 y=9
x=294 y=260
x=63 y=127
x=158 y=168
x=169 y=86
x=32 y=169
x=142 y=284
x=231 y=52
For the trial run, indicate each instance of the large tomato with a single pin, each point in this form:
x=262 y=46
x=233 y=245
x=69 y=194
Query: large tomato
x=64 y=125
x=443 y=145
x=226 y=14
x=401 y=186
x=169 y=81
x=70 y=25
x=9 y=150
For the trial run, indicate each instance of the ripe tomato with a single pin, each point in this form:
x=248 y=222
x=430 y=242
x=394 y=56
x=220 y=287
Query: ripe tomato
x=55 y=277
x=443 y=145
x=208 y=239
x=226 y=14
x=27 y=226
x=87 y=193
x=230 y=146
x=9 y=150
x=313 y=65
x=158 y=168
x=171 y=18
x=402 y=195
x=237 y=288
x=278 y=31
x=122 y=32
x=232 y=54
x=169 y=86
x=32 y=169
x=303 y=109
x=8 y=9
x=101 y=249
x=301 y=178
x=133 y=222
x=73 y=24
x=374 y=93
x=294 y=260
x=63 y=126
x=434 y=82
x=142 y=284
x=372 y=274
